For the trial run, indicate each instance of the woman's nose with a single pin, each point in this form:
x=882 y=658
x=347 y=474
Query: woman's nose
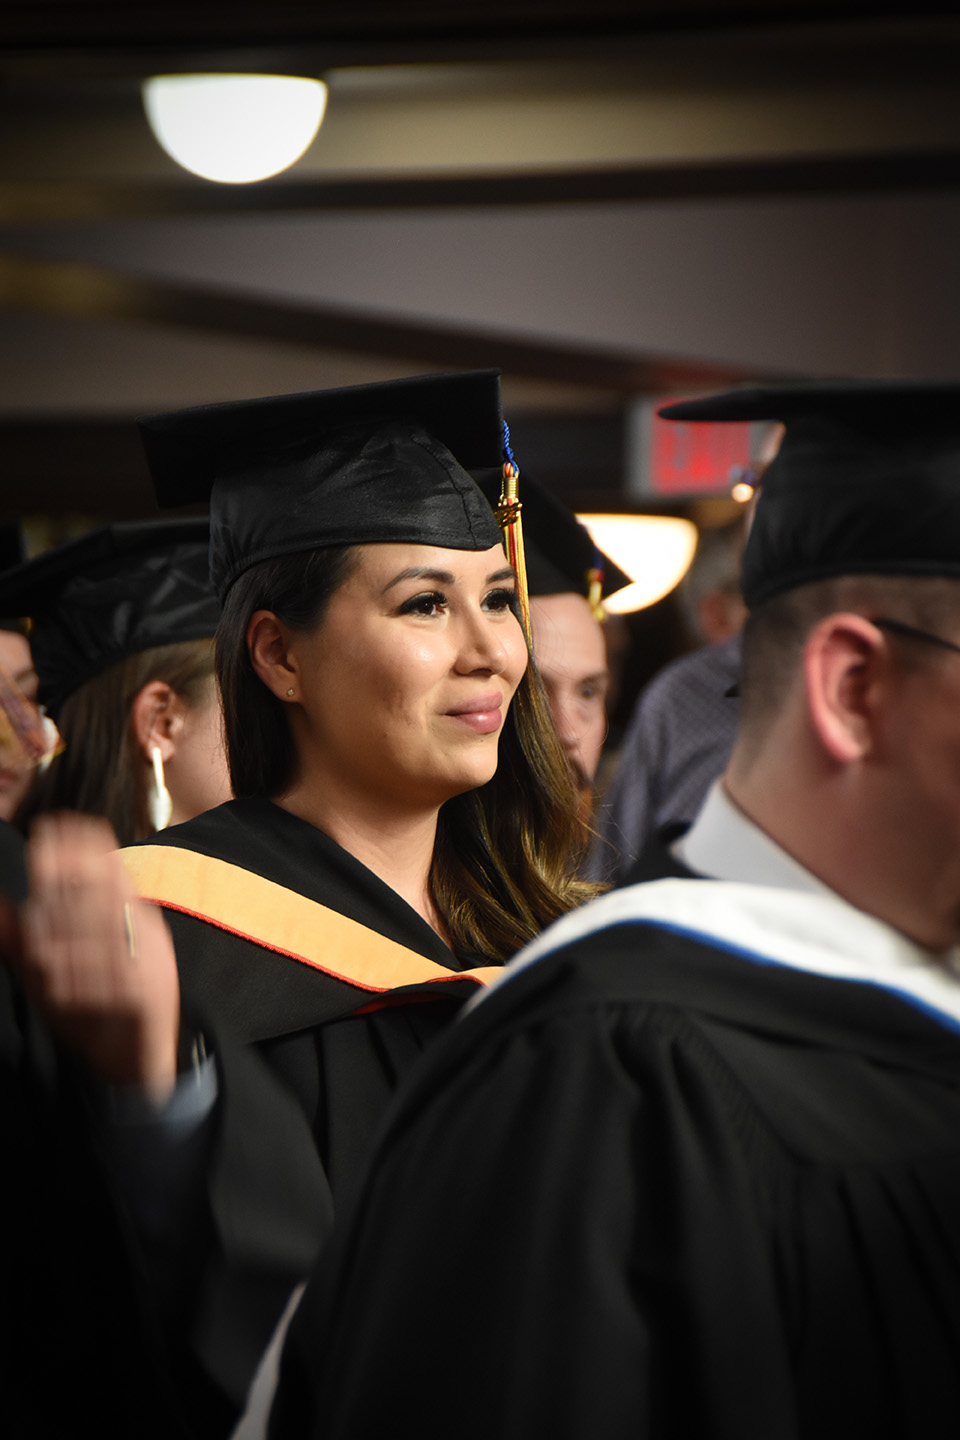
x=482 y=646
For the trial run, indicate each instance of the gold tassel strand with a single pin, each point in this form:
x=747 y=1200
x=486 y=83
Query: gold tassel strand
x=508 y=518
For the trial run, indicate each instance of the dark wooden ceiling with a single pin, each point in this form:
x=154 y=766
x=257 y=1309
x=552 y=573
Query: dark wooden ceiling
x=102 y=49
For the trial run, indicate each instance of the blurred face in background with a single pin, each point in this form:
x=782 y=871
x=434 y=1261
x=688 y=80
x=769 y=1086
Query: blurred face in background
x=16 y=661
x=571 y=656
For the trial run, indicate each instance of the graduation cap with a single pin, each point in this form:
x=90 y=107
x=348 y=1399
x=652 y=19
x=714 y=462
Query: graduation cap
x=366 y=464
x=113 y=592
x=866 y=480
x=561 y=555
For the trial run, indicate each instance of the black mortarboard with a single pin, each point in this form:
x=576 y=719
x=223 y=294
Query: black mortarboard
x=113 y=592
x=370 y=463
x=866 y=480
x=560 y=552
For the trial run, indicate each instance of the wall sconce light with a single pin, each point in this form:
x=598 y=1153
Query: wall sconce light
x=234 y=128
x=655 y=549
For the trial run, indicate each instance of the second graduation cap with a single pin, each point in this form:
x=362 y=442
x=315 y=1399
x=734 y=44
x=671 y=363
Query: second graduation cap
x=866 y=480
x=365 y=464
x=111 y=593
x=560 y=552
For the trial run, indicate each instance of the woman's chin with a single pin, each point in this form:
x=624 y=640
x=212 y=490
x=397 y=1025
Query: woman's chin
x=459 y=779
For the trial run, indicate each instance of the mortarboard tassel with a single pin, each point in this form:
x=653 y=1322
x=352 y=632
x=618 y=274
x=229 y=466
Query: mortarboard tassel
x=594 y=578
x=508 y=518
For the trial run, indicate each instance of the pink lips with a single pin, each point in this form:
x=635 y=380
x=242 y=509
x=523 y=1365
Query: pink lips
x=482 y=714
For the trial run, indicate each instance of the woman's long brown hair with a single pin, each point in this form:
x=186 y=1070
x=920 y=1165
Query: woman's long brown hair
x=506 y=856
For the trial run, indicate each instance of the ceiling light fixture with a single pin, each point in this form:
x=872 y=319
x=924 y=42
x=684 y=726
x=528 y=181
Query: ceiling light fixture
x=234 y=128
x=655 y=549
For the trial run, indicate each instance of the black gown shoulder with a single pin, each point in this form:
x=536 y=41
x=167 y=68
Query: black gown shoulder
x=684 y=1193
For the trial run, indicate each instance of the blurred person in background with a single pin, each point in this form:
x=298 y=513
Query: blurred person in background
x=133 y=1288
x=149 y=1305
x=568 y=579
x=18 y=682
x=122 y=626
x=684 y=724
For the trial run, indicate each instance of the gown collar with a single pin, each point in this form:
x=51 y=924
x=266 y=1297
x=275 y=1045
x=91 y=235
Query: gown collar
x=765 y=907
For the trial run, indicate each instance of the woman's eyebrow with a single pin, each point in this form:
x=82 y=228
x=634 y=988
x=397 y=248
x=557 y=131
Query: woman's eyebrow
x=445 y=577
x=414 y=572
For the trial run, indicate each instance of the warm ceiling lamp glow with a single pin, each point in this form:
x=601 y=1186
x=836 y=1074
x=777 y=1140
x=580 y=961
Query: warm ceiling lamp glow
x=234 y=128
x=655 y=549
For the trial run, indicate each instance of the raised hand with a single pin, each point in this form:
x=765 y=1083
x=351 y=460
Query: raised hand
x=97 y=963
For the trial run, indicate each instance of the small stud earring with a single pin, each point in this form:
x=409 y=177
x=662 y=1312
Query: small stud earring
x=290 y=691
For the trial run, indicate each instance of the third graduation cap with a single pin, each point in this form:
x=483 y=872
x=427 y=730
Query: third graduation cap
x=366 y=464
x=866 y=481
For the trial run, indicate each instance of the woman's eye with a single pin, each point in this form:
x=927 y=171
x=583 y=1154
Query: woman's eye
x=498 y=600
x=430 y=603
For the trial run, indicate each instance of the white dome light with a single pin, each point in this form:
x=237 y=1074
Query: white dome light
x=655 y=549
x=234 y=128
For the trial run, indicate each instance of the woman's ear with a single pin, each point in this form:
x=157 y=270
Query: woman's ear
x=845 y=671
x=157 y=715
x=268 y=643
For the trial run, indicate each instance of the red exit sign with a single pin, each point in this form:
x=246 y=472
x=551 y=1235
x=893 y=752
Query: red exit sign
x=684 y=457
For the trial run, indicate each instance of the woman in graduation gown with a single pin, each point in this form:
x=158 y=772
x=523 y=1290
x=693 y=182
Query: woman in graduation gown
x=404 y=820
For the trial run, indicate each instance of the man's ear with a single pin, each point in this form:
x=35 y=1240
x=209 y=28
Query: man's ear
x=846 y=668
x=157 y=715
x=268 y=643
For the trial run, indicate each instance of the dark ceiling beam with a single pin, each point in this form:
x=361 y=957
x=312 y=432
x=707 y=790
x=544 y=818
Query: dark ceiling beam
x=383 y=25
x=68 y=288
x=71 y=467
x=29 y=202
x=57 y=465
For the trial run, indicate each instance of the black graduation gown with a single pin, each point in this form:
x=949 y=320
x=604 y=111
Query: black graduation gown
x=100 y=1326
x=74 y=1341
x=98 y=1332
x=653 y=1188
x=242 y=955
x=13 y=869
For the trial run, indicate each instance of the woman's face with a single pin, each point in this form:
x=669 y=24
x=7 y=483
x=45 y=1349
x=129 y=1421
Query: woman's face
x=403 y=687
